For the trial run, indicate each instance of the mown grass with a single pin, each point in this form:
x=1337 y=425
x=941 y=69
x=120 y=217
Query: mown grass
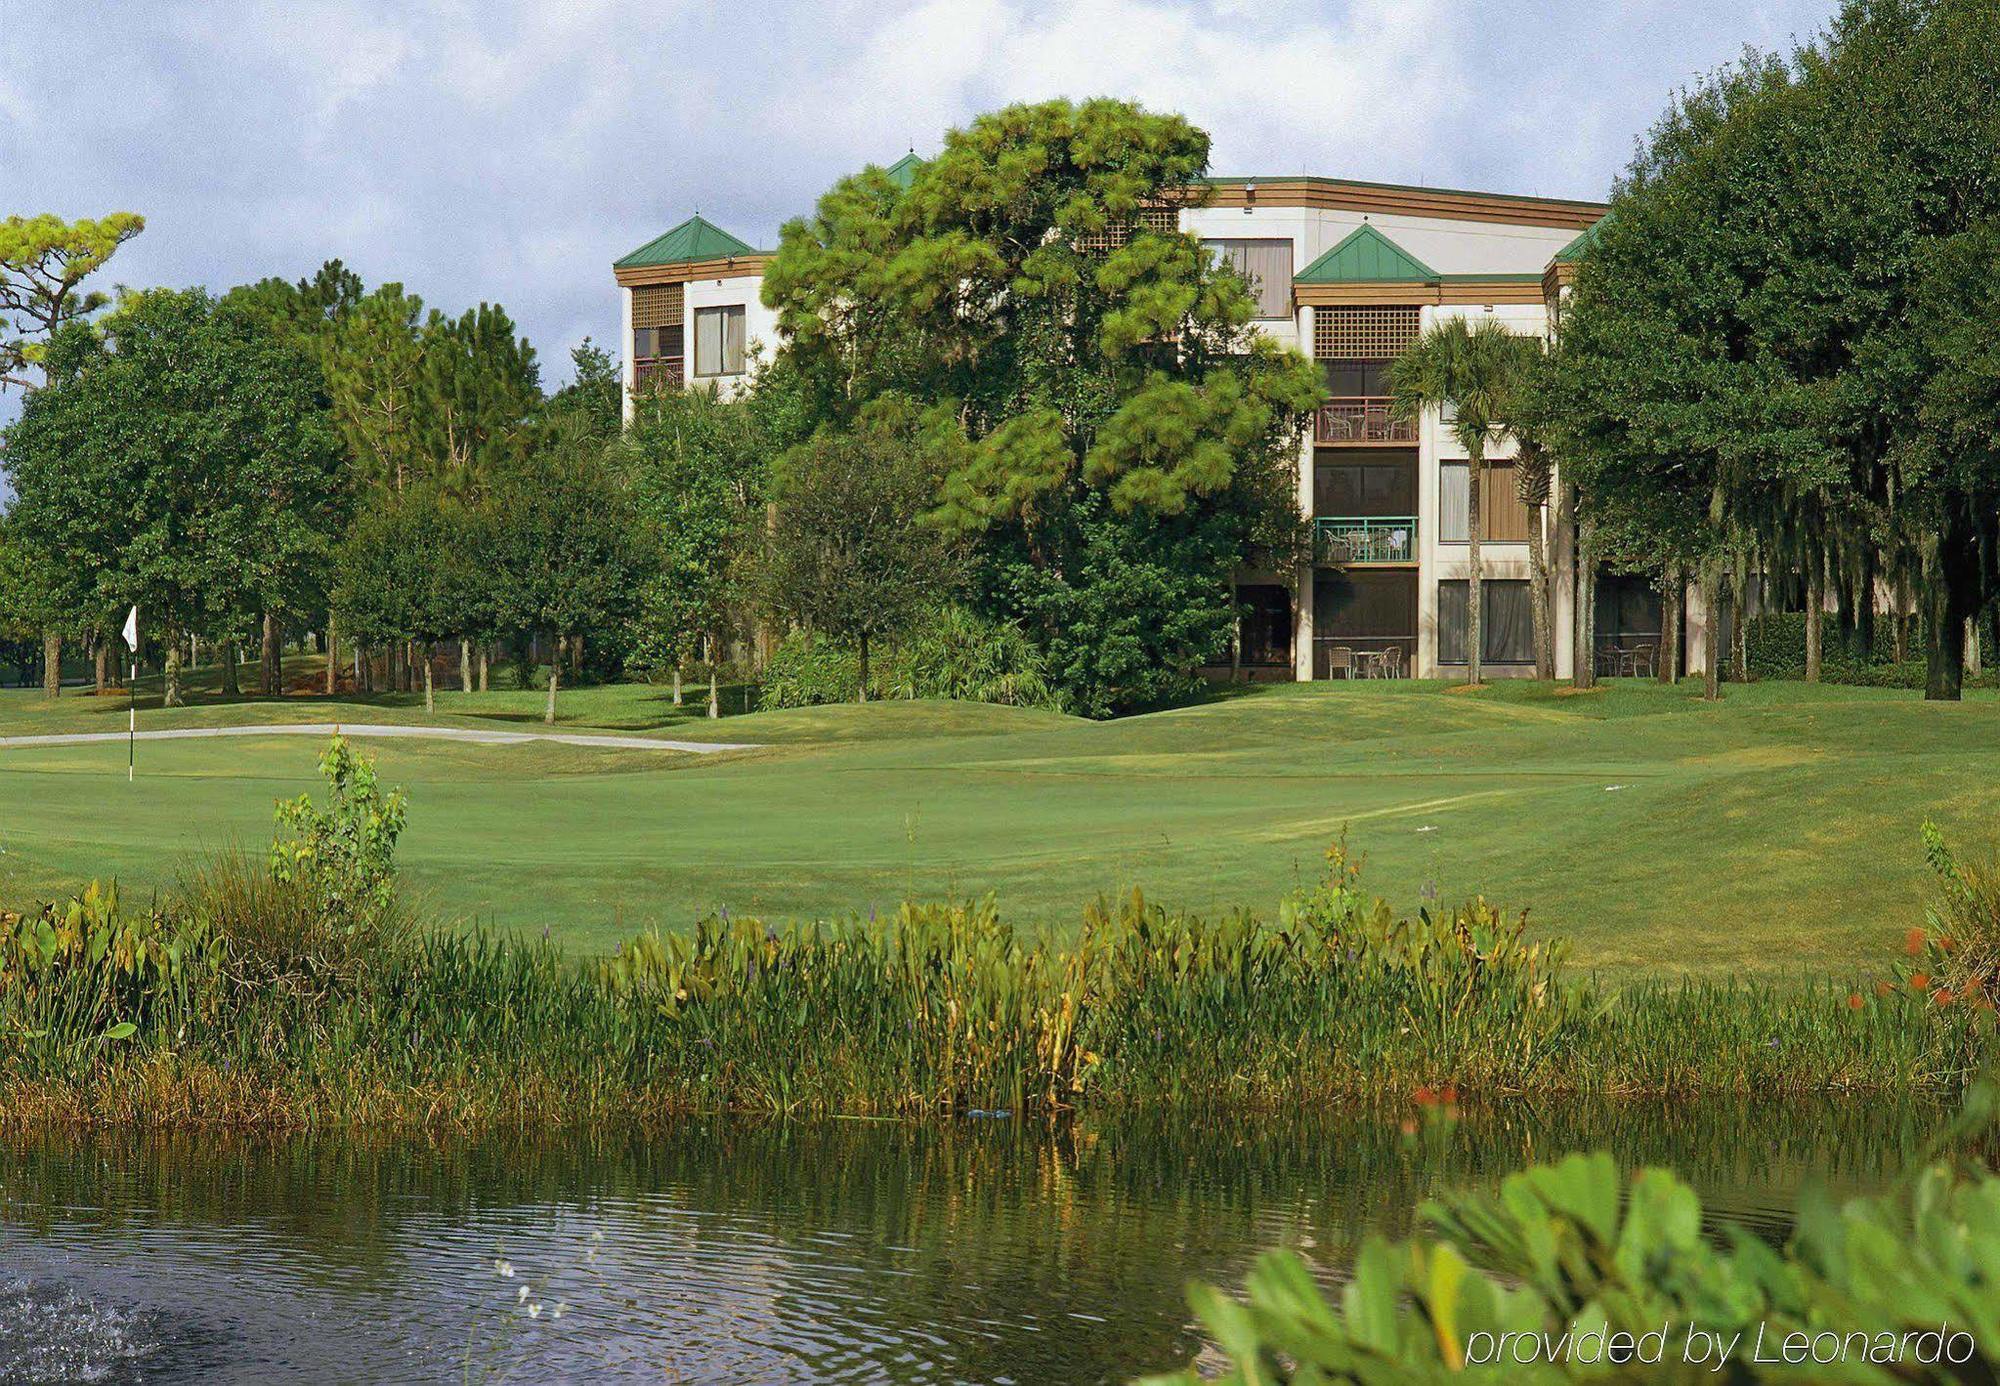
x=1770 y=836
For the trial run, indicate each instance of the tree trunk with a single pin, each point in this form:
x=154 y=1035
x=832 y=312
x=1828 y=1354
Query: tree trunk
x=1711 y=595
x=1864 y=613
x=1739 y=628
x=430 y=694
x=230 y=688
x=1815 y=604
x=485 y=659
x=271 y=672
x=1538 y=594
x=1945 y=608
x=103 y=663
x=1972 y=647
x=555 y=675
x=1583 y=657
x=1475 y=471
x=170 y=673
x=714 y=692
x=1673 y=597
x=863 y=697
x=677 y=684
x=51 y=664
x=332 y=653
x=464 y=665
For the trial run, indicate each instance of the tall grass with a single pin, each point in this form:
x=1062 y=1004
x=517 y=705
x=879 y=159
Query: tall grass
x=940 y=1008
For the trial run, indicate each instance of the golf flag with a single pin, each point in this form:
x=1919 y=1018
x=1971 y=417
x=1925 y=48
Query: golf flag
x=132 y=630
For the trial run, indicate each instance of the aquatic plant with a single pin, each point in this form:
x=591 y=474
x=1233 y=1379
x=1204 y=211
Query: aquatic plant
x=1574 y=1270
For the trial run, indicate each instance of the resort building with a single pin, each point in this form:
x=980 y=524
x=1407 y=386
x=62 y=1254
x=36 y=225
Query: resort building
x=1350 y=273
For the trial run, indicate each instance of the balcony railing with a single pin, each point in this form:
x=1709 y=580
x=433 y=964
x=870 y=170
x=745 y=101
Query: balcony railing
x=658 y=372
x=1361 y=419
x=1366 y=538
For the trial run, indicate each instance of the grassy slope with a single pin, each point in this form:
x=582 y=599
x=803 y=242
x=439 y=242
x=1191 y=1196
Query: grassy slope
x=1774 y=833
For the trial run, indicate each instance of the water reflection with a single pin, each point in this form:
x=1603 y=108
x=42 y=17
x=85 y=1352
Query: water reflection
x=736 y=1250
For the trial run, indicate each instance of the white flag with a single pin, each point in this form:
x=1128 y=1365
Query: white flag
x=132 y=631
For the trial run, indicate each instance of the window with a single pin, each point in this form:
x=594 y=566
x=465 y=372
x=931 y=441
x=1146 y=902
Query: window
x=1365 y=488
x=1266 y=266
x=1356 y=379
x=1506 y=621
x=651 y=343
x=718 y=341
x=1503 y=519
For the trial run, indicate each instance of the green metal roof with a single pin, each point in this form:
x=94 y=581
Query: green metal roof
x=1585 y=239
x=904 y=171
x=694 y=239
x=1365 y=257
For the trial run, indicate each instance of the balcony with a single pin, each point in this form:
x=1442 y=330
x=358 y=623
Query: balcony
x=658 y=373
x=1361 y=419
x=1351 y=539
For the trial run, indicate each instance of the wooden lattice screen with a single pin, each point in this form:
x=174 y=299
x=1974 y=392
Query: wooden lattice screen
x=1363 y=334
x=1118 y=230
x=658 y=305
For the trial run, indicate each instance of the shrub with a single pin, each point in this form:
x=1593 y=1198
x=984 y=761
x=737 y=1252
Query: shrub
x=1568 y=1254
x=342 y=858
x=959 y=654
x=1776 y=646
x=809 y=670
x=1954 y=960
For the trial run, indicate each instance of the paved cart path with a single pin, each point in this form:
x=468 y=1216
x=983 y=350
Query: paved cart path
x=374 y=729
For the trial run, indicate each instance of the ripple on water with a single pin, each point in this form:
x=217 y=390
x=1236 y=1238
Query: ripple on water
x=50 y=1333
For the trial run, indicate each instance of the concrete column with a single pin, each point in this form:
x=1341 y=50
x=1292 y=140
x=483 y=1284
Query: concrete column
x=1561 y=550
x=1302 y=604
x=628 y=371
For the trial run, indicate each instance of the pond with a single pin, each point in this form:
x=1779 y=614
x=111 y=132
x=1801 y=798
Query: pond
x=762 y=1251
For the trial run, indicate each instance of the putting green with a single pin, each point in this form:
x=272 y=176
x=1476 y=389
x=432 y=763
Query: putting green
x=1774 y=833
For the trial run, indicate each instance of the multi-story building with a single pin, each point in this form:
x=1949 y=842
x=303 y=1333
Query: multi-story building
x=1350 y=273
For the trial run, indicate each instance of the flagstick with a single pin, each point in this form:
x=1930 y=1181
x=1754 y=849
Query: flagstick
x=132 y=720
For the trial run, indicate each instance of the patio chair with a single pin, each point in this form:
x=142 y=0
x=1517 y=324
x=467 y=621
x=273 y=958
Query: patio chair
x=1390 y=663
x=1643 y=657
x=1340 y=661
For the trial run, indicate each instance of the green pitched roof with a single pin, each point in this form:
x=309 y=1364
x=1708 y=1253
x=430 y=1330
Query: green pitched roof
x=694 y=239
x=1366 y=257
x=904 y=171
x=1585 y=239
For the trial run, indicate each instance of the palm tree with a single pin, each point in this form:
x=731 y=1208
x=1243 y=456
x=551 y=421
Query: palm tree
x=1476 y=372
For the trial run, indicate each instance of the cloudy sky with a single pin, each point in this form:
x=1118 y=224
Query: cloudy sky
x=510 y=149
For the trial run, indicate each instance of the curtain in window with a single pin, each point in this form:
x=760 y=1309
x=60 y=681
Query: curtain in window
x=1506 y=625
x=1266 y=266
x=1454 y=504
x=718 y=341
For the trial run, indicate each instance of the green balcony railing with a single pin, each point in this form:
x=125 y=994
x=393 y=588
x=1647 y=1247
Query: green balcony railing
x=1366 y=538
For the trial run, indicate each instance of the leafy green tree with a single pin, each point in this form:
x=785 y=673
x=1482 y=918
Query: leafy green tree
x=307 y=313
x=1745 y=341
x=479 y=388
x=590 y=404
x=1128 y=439
x=853 y=551
x=43 y=263
x=162 y=463
x=407 y=573
x=1477 y=373
x=567 y=553
x=374 y=370
x=698 y=470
